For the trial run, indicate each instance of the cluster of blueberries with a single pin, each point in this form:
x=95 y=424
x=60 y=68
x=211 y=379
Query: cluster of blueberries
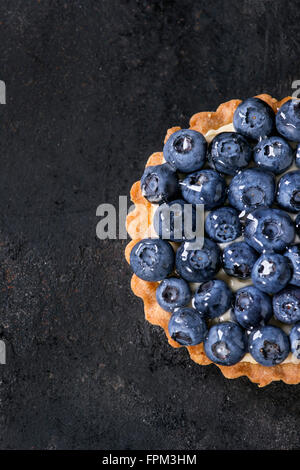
x=262 y=147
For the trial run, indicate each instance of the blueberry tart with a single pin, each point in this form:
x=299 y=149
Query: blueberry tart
x=232 y=298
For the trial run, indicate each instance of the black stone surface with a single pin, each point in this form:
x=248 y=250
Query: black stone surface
x=92 y=87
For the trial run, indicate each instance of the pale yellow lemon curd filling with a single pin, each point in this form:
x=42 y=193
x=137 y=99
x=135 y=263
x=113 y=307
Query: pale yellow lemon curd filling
x=234 y=283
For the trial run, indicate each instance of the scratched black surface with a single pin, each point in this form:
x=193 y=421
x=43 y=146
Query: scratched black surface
x=92 y=87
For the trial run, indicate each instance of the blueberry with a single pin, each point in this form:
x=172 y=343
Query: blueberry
x=204 y=187
x=213 y=298
x=252 y=307
x=239 y=259
x=293 y=254
x=172 y=293
x=198 y=265
x=269 y=230
x=286 y=305
x=254 y=118
x=172 y=221
x=274 y=154
x=185 y=150
x=297 y=160
x=271 y=272
x=159 y=183
x=288 y=120
x=288 y=192
x=251 y=188
x=152 y=259
x=295 y=340
x=223 y=224
x=297 y=224
x=269 y=345
x=225 y=343
x=187 y=326
x=229 y=152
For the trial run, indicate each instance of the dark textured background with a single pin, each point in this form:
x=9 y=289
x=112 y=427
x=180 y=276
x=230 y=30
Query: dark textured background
x=92 y=87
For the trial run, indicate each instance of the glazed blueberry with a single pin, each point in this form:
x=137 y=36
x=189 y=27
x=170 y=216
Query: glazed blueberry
x=295 y=340
x=185 y=150
x=288 y=120
x=225 y=343
x=288 y=192
x=172 y=293
x=297 y=224
x=251 y=188
x=271 y=272
x=254 y=118
x=269 y=230
x=229 y=152
x=274 y=154
x=159 y=183
x=252 y=307
x=173 y=221
x=204 y=187
x=152 y=259
x=269 y=345
x=223 y=224
x=198 y=265
x=293 y=254
x=286 y=305
x=213 y=298
x=297 y=160
x=187 y=327
x=239 y=259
